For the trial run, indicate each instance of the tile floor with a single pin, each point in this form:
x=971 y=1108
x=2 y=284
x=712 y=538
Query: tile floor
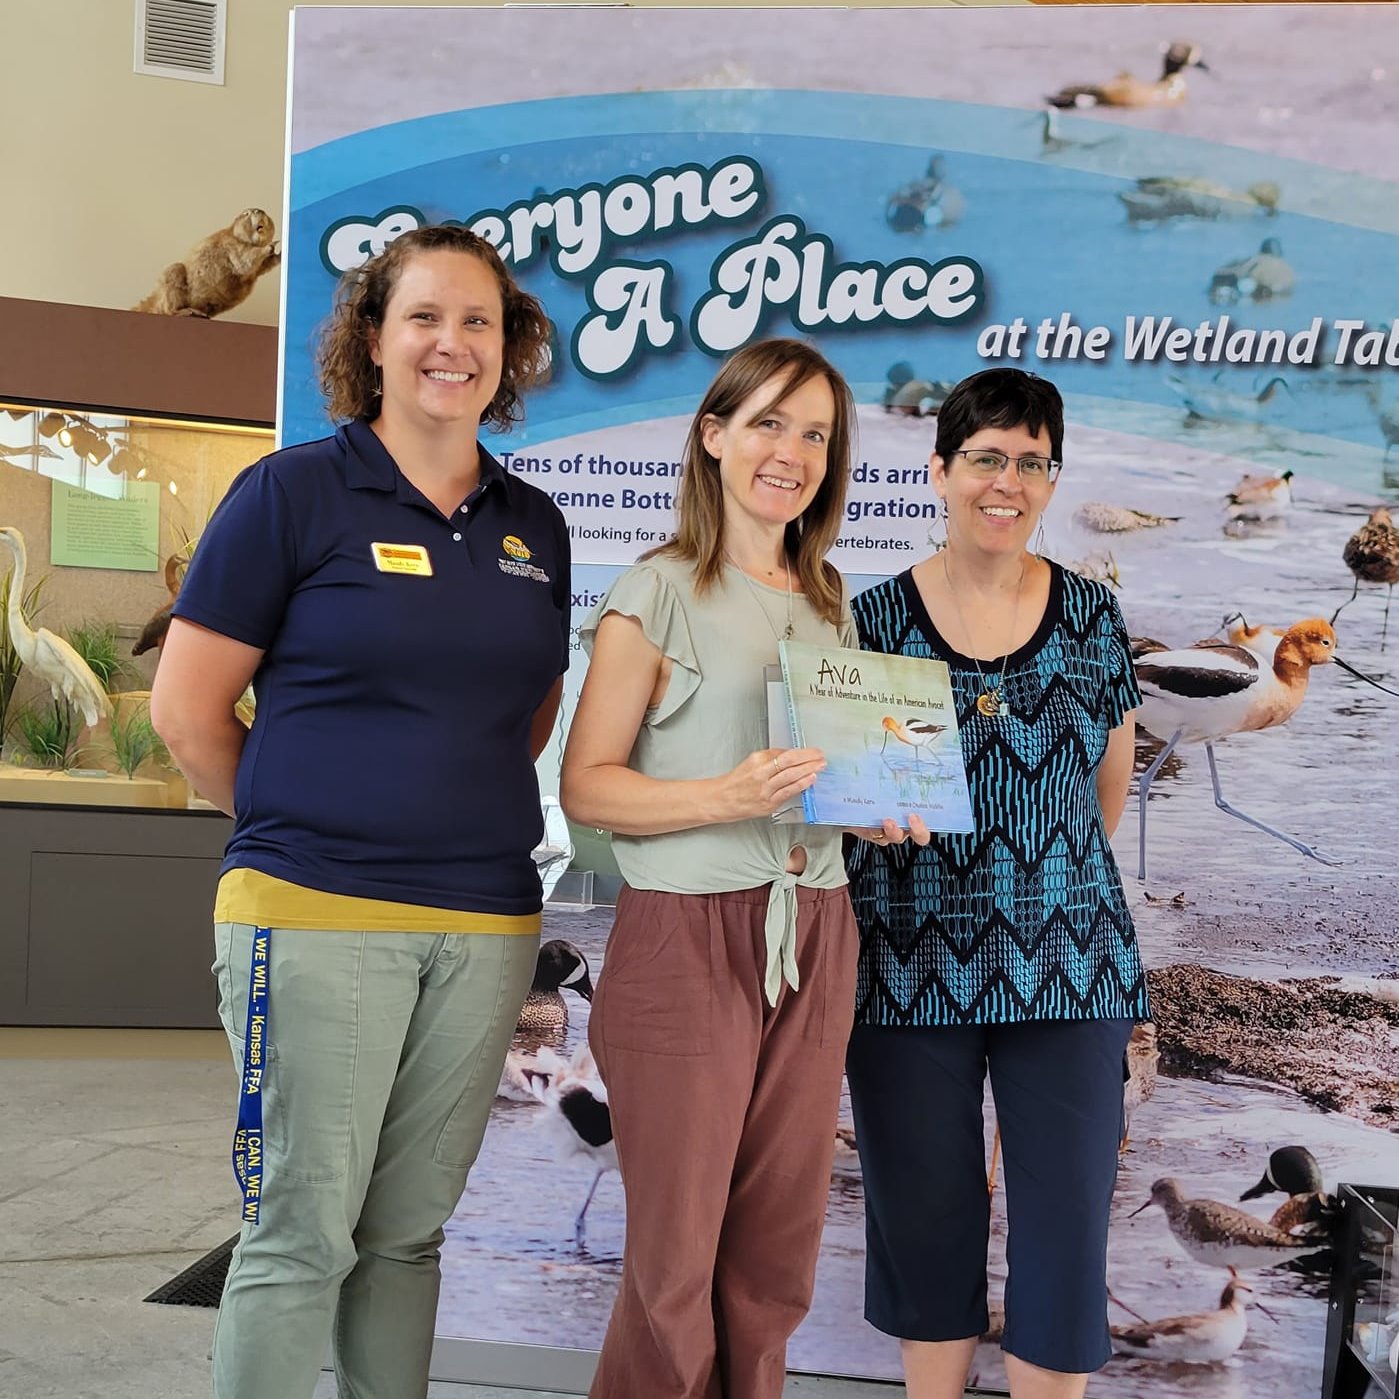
x=114 y=1176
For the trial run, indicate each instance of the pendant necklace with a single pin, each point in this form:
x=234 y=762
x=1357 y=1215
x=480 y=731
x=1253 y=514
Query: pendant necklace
x=991 y=701
x=787 y=568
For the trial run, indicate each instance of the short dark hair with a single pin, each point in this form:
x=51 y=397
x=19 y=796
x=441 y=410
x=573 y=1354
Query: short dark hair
x=347 y=373
x=1001 y=397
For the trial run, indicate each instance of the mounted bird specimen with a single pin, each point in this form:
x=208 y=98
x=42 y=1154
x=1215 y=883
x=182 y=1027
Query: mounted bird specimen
x=153 y=633
x=50 y=657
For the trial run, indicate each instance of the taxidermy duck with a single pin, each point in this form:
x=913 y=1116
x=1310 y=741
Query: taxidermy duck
x=1264 y=276
x=1160 y=197
x=153 y=633
x=220 y=272
x=1126 y=90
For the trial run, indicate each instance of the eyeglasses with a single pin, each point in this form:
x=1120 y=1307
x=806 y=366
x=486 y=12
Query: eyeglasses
x=988 y=462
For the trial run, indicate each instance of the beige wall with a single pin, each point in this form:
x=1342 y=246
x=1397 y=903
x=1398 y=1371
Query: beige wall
x=112 y=176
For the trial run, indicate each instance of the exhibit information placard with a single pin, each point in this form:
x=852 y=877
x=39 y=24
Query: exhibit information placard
x=98 y=531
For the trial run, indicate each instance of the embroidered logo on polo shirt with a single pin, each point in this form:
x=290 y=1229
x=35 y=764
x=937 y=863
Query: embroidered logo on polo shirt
x=518 y=564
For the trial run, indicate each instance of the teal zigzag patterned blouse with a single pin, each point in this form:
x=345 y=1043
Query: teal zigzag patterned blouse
x=1025 y=919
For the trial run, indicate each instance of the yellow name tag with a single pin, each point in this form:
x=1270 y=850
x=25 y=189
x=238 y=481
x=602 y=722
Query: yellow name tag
x=402 y=558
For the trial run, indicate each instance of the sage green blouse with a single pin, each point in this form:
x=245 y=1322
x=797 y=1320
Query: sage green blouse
x=713 y=715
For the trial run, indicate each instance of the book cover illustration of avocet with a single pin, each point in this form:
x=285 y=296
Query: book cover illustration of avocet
x=888 y=728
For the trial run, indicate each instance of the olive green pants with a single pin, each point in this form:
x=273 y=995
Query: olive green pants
x=384 y=1053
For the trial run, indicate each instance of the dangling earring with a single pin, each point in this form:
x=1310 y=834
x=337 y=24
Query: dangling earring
x=378 y=382
x=1038 y=547
x=938 y=539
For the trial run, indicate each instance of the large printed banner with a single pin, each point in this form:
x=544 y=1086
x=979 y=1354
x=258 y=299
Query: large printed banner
x=1188 y=217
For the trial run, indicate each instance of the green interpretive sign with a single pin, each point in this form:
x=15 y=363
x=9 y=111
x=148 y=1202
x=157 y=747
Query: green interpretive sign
x=94 y=531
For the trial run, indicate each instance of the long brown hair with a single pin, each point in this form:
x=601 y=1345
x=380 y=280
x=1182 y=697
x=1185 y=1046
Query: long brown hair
x=699 y=504
x=348 y=375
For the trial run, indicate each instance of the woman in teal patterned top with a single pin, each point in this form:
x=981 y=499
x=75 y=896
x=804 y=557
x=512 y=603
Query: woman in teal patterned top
x=1010 y=950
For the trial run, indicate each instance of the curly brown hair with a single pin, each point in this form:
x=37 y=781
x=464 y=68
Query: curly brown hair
x=699 y=504
x=348 y=375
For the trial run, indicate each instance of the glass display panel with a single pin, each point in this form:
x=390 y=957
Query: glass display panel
x=99 y=515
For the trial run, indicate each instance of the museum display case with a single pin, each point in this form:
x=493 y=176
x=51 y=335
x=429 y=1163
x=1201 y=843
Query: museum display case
x=1362 y=1342
x=119 y=434
x=99 y=516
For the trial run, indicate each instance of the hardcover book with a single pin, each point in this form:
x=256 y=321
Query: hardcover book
x=888 y=728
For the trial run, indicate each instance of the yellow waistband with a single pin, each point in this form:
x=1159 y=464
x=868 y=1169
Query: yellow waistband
x=249 y=896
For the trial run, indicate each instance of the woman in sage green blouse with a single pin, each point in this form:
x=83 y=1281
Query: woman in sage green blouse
x=721 y=1017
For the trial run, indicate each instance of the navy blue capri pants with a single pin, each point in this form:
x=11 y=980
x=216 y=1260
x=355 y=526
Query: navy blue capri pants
x=917 y=1095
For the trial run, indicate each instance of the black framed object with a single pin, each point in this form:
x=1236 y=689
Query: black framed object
x=1362 y=1333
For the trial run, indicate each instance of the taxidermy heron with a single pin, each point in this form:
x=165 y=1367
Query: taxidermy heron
x=52 y=659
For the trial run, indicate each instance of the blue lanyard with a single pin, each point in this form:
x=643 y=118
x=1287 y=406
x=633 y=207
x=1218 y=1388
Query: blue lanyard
x=247 y=1140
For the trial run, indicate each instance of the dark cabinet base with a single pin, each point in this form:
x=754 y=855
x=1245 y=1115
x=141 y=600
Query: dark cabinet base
x=106 y=916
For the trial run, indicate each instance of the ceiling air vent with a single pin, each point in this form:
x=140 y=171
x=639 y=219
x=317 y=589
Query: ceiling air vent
x=181 y=39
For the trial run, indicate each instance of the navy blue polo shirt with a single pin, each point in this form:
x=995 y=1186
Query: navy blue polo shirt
x=390 y=754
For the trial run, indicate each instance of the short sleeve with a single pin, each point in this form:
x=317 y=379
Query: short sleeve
x=563 y=584
x=244 y=568
x=1123 y=693
x=643 y=593
x=846 y=630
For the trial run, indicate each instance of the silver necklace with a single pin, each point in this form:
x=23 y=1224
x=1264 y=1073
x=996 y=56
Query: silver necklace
x=787 y=568
x=991 y=701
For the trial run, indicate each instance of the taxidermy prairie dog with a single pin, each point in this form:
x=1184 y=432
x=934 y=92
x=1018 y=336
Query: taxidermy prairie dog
x=220 y=272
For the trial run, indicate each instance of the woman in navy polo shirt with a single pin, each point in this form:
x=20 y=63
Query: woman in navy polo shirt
x=1009 y=951
x=401 y=604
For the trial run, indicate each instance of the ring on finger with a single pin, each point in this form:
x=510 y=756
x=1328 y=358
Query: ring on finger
x=776 y=765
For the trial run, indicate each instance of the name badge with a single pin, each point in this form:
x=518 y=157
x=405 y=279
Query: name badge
x=402 y=558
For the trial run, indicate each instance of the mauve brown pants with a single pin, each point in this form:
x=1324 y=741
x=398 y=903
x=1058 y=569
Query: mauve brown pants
x=724 y=1112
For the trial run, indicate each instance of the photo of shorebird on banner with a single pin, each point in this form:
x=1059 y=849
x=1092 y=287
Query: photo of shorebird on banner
x=1198 y=242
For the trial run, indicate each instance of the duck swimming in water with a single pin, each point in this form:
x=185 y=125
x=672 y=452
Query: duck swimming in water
x=544 y=1013
x=1264 y=276
x=1293 y=1171
x=925 y=204
x=1159 y=197
x=1127 y=90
